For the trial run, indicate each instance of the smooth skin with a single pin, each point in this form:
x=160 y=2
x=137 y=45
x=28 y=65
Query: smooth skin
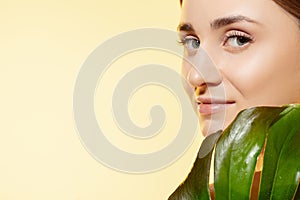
x=254 y=48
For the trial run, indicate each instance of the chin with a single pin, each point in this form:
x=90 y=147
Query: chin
x=211 y=127
x=216 y=122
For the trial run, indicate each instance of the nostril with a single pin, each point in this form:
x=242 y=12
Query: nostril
x=200 y=89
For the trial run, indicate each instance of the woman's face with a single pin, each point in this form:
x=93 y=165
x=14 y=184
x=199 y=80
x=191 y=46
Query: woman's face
x=239 y=54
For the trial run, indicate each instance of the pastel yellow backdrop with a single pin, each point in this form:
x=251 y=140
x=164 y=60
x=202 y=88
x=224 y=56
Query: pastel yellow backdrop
x=43 y=44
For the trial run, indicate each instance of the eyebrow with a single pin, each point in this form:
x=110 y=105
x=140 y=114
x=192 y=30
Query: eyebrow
x=218 y=23
x=185 y=27
x=221 y=22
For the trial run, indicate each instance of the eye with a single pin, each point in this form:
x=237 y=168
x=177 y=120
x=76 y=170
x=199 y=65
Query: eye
x=237 y=40
x=190 y=43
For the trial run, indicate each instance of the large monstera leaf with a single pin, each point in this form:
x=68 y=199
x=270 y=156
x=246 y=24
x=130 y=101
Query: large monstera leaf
x=274 y=129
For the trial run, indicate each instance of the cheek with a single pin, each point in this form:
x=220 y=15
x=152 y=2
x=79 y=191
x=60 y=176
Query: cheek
x=244 y=75
x=269 y=77
x=184 y=72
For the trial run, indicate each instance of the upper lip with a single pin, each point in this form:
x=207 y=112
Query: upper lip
x=203 y=100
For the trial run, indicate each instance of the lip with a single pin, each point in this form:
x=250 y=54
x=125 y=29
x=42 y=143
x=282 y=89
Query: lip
x=208 y=106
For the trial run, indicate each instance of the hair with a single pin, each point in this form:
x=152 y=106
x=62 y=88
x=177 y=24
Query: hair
x=290 y=6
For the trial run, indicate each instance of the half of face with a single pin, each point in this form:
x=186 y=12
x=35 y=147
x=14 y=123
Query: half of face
x=237 y=56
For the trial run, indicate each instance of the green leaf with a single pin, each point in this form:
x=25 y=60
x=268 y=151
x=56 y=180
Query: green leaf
x=196 y=186
x=281 y=169
x=237 y=151
x=277 y=129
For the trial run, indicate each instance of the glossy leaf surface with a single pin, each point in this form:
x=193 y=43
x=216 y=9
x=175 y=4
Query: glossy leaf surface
x=277 y=129
x=281 y=170
x=237 y=152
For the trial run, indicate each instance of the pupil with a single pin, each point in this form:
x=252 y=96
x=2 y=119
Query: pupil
x=195 y=44
x=242 y=40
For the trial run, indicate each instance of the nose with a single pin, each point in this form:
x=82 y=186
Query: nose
x=201 y=71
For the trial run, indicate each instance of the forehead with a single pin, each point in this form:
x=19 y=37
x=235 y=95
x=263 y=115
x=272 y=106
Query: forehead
x=202 y=12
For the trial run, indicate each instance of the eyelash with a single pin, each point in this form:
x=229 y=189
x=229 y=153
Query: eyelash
x=233 y=34
x=238 y=35
x=189 y=48
x=183 y=41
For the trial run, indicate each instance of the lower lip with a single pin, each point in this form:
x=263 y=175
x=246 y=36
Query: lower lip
x=208 y=109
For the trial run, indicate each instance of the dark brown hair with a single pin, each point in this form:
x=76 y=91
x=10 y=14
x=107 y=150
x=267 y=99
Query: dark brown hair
x=291 y=6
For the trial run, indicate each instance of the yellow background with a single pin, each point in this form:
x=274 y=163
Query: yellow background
x=43 y=45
